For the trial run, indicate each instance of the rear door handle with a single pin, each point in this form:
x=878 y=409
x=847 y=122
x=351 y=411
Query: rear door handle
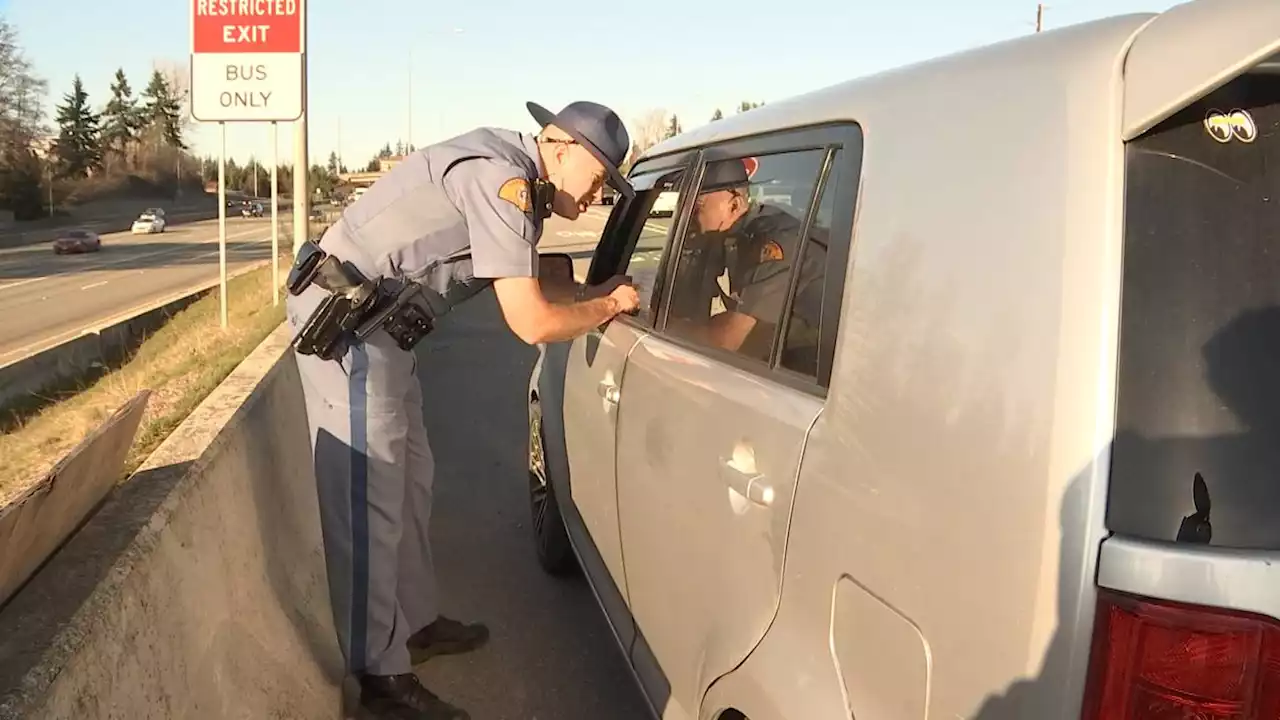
x=750 y=485
x=608 y=391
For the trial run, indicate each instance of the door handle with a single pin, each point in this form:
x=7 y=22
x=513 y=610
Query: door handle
x=750 y=485
x=608 y=391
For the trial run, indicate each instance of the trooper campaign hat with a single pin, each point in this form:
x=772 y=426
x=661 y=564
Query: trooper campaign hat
x=598 y=129
x=727 y=174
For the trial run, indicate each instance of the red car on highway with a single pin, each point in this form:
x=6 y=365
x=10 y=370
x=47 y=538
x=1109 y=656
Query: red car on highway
x=77 y=241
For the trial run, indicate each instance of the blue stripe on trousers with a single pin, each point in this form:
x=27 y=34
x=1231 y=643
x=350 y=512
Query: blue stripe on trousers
x=359 y=404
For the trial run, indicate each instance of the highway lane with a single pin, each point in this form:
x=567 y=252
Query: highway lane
x=46 y=299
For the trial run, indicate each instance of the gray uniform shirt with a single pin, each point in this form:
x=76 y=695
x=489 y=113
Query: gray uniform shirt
x=452 y=216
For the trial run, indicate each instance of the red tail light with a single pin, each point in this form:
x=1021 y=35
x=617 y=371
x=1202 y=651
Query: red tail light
x=1168 y=661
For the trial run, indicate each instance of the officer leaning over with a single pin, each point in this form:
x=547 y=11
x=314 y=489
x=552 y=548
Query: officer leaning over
x=448 y=221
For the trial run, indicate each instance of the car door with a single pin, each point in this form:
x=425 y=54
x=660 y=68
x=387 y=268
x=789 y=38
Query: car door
x=710 y=439
x=632 y=243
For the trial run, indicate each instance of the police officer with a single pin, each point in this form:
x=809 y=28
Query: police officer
x=756 y=244
x=449 y=220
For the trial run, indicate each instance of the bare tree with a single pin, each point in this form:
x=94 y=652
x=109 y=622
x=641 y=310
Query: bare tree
x=21 y=91
x=650 y=128
x=22 y=129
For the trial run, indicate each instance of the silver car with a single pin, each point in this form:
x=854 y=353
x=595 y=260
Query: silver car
x=989 y=429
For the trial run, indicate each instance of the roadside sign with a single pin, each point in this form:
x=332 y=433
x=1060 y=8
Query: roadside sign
x=247 y=60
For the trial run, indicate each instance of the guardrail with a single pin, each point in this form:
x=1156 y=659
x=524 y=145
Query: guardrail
x=35 y=524
x=97 y=345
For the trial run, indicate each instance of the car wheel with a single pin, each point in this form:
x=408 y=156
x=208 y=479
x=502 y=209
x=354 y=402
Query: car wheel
x=551 y=540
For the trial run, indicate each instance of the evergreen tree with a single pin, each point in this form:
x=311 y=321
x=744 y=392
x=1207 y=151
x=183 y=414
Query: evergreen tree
x=78 y=148
x=122 y=120
x=162 y=112
x=673 y=129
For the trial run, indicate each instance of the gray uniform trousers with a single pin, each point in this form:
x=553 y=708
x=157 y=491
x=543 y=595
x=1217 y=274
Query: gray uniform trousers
x=374 y=473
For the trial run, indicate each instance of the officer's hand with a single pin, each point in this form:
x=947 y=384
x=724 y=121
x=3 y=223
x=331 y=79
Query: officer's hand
x=627 y=298
x=609 y=285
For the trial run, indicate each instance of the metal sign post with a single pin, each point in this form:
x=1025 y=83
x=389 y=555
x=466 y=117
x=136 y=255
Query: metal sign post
x=246 y=66
x=275 y=212
x=222 y=225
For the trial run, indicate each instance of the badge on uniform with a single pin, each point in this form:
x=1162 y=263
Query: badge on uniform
x=516 y=192
x=771 y=252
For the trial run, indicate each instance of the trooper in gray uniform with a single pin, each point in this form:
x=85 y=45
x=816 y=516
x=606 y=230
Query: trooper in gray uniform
x=756 y=245
x=448 y=221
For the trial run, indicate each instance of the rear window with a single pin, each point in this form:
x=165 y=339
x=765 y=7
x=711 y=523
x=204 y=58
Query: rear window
x=1197 y=454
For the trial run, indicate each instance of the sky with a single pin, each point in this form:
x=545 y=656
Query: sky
x=476 y=63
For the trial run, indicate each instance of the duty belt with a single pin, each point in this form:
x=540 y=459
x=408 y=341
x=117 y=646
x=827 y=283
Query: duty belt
x=356 y=306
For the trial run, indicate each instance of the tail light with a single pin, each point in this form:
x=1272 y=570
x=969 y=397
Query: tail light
x=1156 y=660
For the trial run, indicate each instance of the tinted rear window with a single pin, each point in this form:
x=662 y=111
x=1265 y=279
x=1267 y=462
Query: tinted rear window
x=1199 y=376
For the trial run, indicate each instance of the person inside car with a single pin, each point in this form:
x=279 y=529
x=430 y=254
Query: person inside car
x=756 y=244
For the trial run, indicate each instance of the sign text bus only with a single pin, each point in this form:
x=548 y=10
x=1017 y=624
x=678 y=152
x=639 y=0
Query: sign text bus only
x=246 y=60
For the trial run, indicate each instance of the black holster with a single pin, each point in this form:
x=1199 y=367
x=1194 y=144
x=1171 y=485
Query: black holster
x=355 y=307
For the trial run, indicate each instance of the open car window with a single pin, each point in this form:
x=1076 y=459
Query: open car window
x=638 y=234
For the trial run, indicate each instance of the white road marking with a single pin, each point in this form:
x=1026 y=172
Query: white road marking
x=118 y=317
x=89 y=267
x=94 y=285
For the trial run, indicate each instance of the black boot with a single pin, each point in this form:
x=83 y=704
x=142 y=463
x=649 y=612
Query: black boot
x=445 y=637
x=402 y=697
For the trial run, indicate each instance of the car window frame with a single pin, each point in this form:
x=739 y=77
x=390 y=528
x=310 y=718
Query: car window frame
x=622 y=231
x=828 y=137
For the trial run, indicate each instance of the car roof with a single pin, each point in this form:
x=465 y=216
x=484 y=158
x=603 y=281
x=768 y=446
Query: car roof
x=1166 y=59
x=961 y=72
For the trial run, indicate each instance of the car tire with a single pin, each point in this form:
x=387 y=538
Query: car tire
x=550 y=538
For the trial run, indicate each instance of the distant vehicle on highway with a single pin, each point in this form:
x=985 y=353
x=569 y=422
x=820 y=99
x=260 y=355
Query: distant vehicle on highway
x=608 y=195
x=664 y=205
x=77 y=241
x=989 y=435
x=152 y=220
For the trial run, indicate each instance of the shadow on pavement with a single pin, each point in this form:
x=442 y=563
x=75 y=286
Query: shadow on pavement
x=551 y=655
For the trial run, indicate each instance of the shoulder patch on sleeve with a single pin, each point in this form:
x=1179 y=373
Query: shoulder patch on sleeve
x=516 y=192
x=771 y=251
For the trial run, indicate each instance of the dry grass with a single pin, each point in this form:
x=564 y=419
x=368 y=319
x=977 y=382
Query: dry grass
x=181 y=363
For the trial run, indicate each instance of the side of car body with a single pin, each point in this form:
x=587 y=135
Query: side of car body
x=1050 y=327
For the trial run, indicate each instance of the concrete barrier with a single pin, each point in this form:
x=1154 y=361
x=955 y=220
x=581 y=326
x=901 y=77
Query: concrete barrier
x=35 y=524
x=199 y=589
x=65 y=360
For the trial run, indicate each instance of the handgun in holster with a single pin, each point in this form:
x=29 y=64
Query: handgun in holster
x=356 y=306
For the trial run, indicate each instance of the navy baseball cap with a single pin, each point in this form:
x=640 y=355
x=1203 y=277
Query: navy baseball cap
x=598 y=129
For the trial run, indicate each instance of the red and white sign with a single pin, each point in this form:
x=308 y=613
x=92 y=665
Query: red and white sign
x=246 y=60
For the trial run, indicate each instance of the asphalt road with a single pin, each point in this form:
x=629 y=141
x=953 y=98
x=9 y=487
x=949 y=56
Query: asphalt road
x=551 y=655
x=46 y=299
